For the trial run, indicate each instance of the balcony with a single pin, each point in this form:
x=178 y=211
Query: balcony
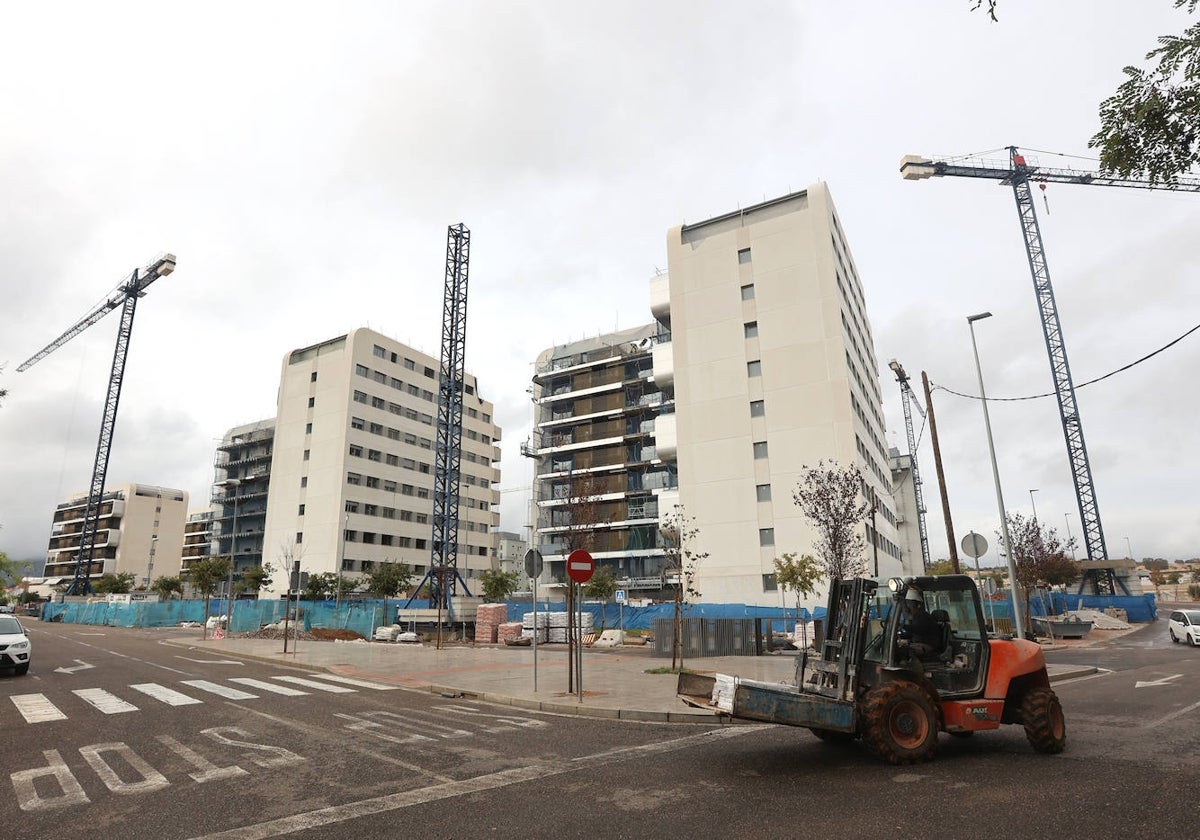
x=664 y=364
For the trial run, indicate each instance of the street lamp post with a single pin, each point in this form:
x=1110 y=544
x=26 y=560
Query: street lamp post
x=1018 y=618
x=337 y=598
x=1032 y=505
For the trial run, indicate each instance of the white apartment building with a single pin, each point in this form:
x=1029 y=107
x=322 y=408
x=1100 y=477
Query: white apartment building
x=140 y=531
x=352 y=468
x=904 y=503
x=598 y=478
x=772 y=367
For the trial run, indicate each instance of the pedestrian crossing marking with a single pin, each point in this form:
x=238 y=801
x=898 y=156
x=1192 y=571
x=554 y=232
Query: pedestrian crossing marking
x=167 y=695
x=334 y=689
x=221 y=690
x=35 y=708
x=266 y=686
x=110 y=704
x=360 y=683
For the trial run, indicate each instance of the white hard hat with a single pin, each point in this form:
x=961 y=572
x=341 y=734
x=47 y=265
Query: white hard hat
x=913 y=595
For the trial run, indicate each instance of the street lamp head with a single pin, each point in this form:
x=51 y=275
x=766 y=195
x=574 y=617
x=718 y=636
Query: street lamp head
x=973 y=318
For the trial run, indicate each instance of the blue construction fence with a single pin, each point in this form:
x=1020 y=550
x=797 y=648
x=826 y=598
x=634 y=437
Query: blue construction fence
x=360 y=616
x=364 y=616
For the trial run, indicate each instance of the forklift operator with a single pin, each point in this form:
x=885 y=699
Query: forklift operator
x=919 y=631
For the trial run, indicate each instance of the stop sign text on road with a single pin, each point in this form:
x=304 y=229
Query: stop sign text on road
x=580 y=566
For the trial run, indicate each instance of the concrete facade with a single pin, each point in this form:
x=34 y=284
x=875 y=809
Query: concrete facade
x=352 y=468
x=140 y=531
x=772 y=366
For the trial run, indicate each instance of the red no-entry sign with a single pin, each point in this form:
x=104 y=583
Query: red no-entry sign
x=580 y=566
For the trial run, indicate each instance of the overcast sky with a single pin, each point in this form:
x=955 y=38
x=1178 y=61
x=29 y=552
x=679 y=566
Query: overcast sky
x=303 y=161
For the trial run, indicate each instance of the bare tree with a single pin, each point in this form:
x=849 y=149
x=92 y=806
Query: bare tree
x=580 y=513
x=679 y=534
x=834 y=501
x=1039 y=555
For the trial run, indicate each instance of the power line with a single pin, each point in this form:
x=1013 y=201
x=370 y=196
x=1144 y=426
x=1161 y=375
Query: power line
x=1148 y=356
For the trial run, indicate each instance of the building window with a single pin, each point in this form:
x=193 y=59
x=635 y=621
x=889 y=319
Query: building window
x=356 y=450
x=347 y=564
x=766 y=536
x=350 y=536
x=362 y=370
x=422 y=544
x=763 y=491
x=751 y=329
x=409 y=364
x=351 y=507
x=373 y=482
x=770 y=583
x=308 y=428
x=748 y=291
x=758 y=408
x=406 y=516
x=380 y=352
x=371 y=510
x=303 y=481
x=385 y=539
x=754 y=368
x=301 y=510
x=429 y=372
x=360 y=397
x=760 y=449
x=743 y=256
x=312 y=401
x=313 y=378
x=374 y=455
x=299 y=537
x=307 y=452
x=355 y=478
x=357 y=423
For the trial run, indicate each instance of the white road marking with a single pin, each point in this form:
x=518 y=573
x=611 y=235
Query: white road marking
x=1171 y=716
x=360 y=683
x=110 y=704
x=212 y=661
x=35 y=708
x=266 y=686
x=335 y=689
x=151 y=779
x=220 y=690
x=29 y=799
x=492 y=781
x=167 y=695
x=1145 y=683
x=82 y=666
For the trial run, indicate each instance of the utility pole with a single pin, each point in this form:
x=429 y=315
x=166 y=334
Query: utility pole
x=937 y=462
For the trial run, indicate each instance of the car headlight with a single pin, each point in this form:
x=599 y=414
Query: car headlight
x=19 y=646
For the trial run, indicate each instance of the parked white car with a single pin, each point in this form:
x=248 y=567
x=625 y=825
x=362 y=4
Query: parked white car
x=15 y=647
x=1184 y=626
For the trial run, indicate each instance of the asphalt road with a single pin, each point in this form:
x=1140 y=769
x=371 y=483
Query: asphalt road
x=105 y=751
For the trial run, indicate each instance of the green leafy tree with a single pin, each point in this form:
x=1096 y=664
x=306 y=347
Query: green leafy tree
x=497 y=585
x=799 y=575
x=1150 y=127
x=941 y=567
x=679 y=536
x=601 y=587
x=256 y=577
x=831 y=499
x=204 y=576
x=387 y=580
x=11 y=571
x=167 y=586
x=120 y=583
x=319 y=586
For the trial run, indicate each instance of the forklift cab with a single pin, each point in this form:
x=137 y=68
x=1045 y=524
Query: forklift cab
x=956 y=664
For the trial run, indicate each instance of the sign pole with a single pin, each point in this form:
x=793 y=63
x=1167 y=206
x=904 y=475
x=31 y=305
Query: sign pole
x=535 y=634
x=533 y=570
x=580 y=568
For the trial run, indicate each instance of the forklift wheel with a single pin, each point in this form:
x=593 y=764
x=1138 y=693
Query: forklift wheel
x=900 y=723
x=1045 y=726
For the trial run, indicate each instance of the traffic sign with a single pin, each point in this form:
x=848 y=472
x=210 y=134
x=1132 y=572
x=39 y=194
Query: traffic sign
x=974 y=545
x=619 y=596
x=580 y=566
x=533 y=563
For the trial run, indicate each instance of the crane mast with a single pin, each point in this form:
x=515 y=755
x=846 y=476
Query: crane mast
x=1019 y=173
x=443 y=568
x=907 y=400
x=125 y=296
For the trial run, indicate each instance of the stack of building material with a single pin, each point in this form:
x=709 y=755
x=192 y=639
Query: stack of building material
x=558 y=627
x=543 y=623
x=508 y=630
x=487 y=620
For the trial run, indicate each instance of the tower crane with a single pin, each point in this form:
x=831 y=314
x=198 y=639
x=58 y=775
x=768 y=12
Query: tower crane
x=908 y=399
x=1019 y=173
x=443 y=568
x=125 y=295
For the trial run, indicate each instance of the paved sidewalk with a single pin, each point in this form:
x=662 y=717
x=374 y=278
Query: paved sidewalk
x=615 y=680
